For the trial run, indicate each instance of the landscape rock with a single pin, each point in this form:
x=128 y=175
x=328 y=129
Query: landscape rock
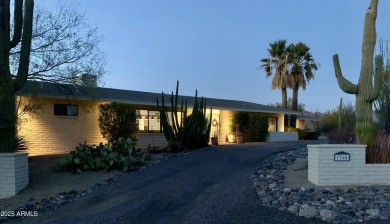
x=355 y=204
x=326 y=215
x=373 y=213
x=307 y=211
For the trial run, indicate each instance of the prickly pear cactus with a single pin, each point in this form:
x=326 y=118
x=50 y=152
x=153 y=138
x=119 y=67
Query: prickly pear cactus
x=364 y=91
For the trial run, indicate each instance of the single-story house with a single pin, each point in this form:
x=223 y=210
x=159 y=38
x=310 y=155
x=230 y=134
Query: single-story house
x=64 y=116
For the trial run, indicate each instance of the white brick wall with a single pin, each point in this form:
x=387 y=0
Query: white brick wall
x=282 y=136
x=13 y=173
x=324 y=171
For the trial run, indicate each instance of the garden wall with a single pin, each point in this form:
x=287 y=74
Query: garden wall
x=282 y=136
x=328 y=166
x=14 y=173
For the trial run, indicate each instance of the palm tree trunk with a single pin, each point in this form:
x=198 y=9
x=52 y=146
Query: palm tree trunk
x=294 y=106
x=284 y=105
x=284 y=98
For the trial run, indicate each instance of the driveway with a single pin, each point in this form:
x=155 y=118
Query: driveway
x=209 y=186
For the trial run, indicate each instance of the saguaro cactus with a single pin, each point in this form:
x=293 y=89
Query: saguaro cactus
x=10 y=84
x=364 y=91
x=340 y=112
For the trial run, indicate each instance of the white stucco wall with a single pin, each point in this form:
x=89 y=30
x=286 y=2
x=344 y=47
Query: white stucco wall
x=324 y=171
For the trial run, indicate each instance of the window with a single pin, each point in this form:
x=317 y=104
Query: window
x=272 y=124
x=66 y=110
x=148 y=121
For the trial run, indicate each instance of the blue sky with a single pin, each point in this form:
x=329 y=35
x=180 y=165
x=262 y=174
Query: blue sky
x=215 y=46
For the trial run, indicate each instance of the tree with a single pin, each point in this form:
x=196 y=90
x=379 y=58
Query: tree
x=10 y=84
x=364 y=91
x=276 y=64
x=63 y=47
x=117 y=120
x=301 y=72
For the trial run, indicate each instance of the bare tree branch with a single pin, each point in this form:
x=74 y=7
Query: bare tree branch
x=63 y=46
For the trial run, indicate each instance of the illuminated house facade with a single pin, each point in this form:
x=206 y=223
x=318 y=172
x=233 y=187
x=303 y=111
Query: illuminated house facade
x=64 y=116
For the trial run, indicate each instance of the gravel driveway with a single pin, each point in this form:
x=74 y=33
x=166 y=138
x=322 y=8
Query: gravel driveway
x=209 y=186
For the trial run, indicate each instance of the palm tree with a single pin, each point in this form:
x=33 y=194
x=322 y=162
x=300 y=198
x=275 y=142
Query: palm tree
x=301 y=71
x=276 y=64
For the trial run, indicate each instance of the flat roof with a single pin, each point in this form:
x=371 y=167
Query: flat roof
x=66 y=91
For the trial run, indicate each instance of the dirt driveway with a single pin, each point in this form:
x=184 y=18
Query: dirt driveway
x=209 y=186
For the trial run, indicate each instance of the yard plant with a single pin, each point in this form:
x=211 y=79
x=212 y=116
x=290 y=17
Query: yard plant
x=11 y=83
x=182 y=131
x=364 y=90
x=119 y=154
x=117 y=120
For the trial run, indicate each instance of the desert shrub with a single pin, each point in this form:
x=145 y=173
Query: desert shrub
x=344 y=136
x=20 y=143
x=382 y=103
x=312 y=135
x=119 y=154
x=303 y=134
x=329 y=121
x=117 y=120
x=380 y=151
x=257 y=128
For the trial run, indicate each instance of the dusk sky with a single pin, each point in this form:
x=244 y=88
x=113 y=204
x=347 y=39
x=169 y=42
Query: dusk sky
x=215 y=46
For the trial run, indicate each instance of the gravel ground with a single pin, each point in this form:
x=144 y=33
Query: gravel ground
x=46 y=183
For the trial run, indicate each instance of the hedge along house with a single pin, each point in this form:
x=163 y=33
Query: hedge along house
x=64 y=116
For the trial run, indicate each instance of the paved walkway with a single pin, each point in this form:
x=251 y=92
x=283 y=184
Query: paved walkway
x=209 y=186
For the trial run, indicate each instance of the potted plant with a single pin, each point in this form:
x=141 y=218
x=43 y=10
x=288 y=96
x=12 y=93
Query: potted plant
x=239 y=124
x=240 y=137
x=233 y=130
x=214 y=139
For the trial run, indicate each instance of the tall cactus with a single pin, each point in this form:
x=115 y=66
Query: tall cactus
x=340 y=113
x=365 y=92
x=10 y=84
x=185 y=132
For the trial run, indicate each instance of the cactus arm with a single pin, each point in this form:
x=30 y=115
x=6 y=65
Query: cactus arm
x=18 y=18
x=24 y=61
x=344 y=84
x=374 y=93
x=175 y=110
x=181 y=111
x=173 y=113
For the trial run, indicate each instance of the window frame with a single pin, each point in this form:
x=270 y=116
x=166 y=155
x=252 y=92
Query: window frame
x=65 y=110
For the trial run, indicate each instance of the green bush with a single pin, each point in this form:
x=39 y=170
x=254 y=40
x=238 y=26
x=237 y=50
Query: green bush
x=257 y=128
x=120 y=154
x=240 y=122
x=117 y=120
